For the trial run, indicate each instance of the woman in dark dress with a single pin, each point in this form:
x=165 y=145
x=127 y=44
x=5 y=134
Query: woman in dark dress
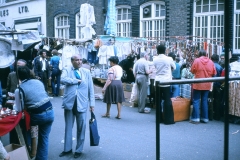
x=113 y=89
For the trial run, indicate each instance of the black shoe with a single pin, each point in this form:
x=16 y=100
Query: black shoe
x=65 y=153
x=76 y=155
x=202 y=121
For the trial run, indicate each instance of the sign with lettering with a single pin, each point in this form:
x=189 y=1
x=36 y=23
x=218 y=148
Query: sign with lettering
x=23 y=9
x=4 y=13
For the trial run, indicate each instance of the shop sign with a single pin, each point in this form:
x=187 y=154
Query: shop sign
x=4 y=13
x=23 y=9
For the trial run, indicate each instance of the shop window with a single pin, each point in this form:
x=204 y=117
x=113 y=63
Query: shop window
x=152 y=20
x=79 y=35
x=62 y=26
x=124 y=21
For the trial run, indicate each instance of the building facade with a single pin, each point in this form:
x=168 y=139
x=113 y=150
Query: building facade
x=201 y=20
x=24 y=14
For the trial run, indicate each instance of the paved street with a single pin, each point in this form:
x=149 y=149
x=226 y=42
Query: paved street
x=133 y=137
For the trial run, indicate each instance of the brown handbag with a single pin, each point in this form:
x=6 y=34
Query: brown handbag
x=181 y=108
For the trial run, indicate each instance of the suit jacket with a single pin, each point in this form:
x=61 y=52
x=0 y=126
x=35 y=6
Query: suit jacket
x=38 y=67
x=12 y=82
x=83 y=91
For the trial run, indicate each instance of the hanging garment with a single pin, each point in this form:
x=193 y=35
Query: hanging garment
x=87 y=19
x=110 y=25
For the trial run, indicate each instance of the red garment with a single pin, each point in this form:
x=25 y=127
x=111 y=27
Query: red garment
x=9 y=122
x=223 y=73
x=203 y=67
x=27 y=120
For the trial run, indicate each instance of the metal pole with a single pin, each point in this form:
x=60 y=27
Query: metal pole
x=157 y=102
x=198 y=80
x=228 y=28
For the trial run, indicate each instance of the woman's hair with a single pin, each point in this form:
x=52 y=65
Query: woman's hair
x=114 y=59
x=23 y=72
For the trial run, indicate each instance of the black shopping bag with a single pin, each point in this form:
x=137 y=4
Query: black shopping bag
x=94 y=136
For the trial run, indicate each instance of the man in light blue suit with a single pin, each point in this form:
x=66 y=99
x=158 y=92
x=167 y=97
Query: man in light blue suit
x=78 y=96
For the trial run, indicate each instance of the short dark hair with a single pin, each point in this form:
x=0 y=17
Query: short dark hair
x=171 y=54
x=215 y=57
x=84 y=61
x=23 y=72
x=40 y=52
x=114 y=59
x=202 y=52
x=161 y=49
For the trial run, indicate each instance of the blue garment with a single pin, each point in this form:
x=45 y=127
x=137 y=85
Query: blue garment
x=175 y=90
x=44 y=121
x=200 y=98
x=56 y=75
x=110 y=25
x=219 y=71
x=92 y=57
x=176 y=73
x=54 y=61
x=76 y=74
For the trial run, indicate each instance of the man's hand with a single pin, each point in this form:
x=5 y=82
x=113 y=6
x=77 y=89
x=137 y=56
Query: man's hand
x=91 y=108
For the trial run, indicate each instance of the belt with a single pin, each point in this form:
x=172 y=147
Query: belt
x=40 y=111
x=142 y=74
x=176 y=78
x=46 y=107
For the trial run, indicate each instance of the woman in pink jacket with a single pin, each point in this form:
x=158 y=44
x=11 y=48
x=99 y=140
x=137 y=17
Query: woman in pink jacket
x=202 y=67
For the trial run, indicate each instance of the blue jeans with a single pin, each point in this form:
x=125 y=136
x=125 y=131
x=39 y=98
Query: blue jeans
x=175 y=90
x=200 y=97
x=55 y=75
x=44 y=121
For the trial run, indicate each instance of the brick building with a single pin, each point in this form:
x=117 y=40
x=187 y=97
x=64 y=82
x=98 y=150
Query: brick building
x=135 y=18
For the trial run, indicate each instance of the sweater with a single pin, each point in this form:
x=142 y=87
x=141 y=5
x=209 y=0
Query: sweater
x=34 y=94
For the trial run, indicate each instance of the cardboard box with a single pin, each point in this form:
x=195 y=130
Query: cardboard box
x=17 y=152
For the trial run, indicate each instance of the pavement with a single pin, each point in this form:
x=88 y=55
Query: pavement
x=134 y=137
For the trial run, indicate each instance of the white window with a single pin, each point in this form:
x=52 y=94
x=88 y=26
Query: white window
x=79 y=35
x=2 y=1
x=236 y=34
x=124 y=21
x=62 y=26
x=209 y=20
x=152 y=20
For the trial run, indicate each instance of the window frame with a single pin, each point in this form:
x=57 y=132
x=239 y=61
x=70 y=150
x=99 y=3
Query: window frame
x=78 y=26
x=236 y=29
x=124 y=27
x=64 y=28
x=209 y=15
x=152 y=22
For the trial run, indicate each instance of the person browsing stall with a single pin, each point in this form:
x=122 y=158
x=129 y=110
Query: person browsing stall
x=141 y=72
x=164 y=66
x=38 y=105
x=78 y=96
x=113 y=90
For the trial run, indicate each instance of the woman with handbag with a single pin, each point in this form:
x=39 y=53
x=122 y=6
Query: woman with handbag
x=113 y=90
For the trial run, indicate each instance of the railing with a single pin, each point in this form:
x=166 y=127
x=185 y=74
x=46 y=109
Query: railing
x=190 y=81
